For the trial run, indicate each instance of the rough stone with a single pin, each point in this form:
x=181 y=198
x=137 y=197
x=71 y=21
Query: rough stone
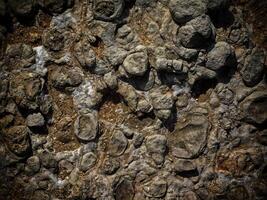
x=254 y=67
x=110 y=166
x=18 y=140
x=184 y=11
x=63 y=78
x=221 y=56
x=88 y=161
x=156 y=146
x=35 y=120
x=117 y=144
x=189 y=137
x=197 y=33
x=86 y=126
x=136 y=64
x=254 y=107
x=156 y=188
x=108 y=10
x=33 y=165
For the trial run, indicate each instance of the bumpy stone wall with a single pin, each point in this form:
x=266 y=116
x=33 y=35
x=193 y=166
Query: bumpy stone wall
x=131 y=100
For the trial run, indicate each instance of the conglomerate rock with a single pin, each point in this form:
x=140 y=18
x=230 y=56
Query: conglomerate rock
x=131 y=100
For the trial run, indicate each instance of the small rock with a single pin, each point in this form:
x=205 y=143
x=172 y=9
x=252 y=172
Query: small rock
x=111 y=80
x=156 y=188
x=161 y=98
x=53 y=39
x=110 y=166
x=124 y=190
x=88 y=161
x=86 y=126
x=63 y=78
x=136 y=64
x=185 y=167
x=33 y=165
x=156 y=146
x=217 y=5
x=138 y=140
x=85 y=55
x=108 y=10
x=117 y=144
x=48 y=160
x=35 y=120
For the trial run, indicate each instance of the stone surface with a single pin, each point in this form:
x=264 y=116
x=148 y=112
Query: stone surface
x=156 y=146
x=88 y=161
x=254 y=67
x=35 y=120
x=132 y=100
x=18 y=140
x=197 y=33
x=189 y=137
x=86 y=126
x=136 y=64
x=118 y=144
x=220 y=56
x=184 y=11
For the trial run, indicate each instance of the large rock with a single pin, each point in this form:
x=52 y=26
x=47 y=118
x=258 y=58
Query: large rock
x=254 y=67
x=197 y=33
x=86 y=126
x=183 y=11
x=63 y=78
x=255 y=107
x=117 y=144
x=189 y=137
x=108 y=10
x=136 y=64
x=221 y=56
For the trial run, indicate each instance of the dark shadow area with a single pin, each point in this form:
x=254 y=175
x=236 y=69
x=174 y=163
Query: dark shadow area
x=222 y=18
x=188 y=174
x=201 y=86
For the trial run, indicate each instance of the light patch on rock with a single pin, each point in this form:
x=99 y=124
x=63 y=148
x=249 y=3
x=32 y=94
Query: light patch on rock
x=40 y=59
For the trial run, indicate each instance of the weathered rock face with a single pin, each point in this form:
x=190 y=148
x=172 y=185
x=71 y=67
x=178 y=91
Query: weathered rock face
x=254 y=68
x=131 y=100
x=221 y=56
x=189 y=137
x=197 y=32
x=184 y=11
x=18 y=140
